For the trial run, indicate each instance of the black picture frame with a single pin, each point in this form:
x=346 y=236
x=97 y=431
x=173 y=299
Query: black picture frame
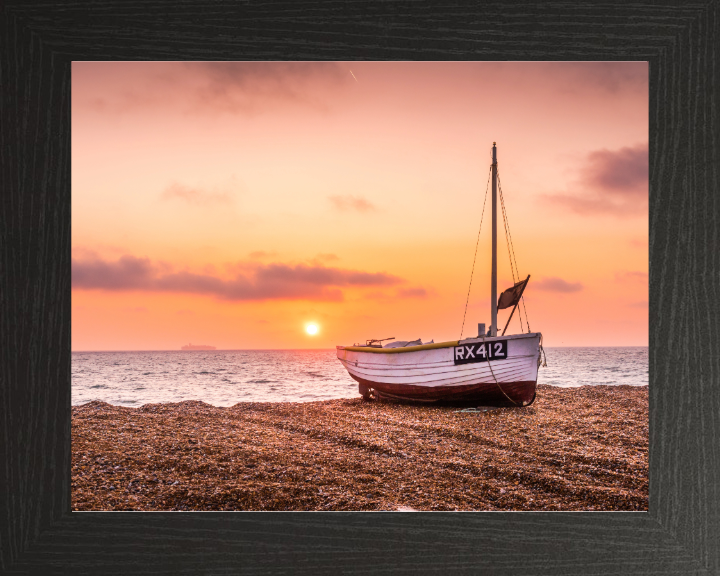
x=680 y=532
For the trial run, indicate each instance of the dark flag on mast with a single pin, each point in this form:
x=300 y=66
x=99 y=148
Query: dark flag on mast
x=511 y=296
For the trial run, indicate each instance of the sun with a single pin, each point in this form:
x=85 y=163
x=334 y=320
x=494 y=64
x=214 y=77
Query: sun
x=312 y=329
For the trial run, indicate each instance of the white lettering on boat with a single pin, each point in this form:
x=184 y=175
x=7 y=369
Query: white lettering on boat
x=481 y=352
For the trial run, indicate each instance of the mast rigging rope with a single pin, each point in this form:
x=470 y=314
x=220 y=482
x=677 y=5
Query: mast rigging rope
x=511 y=255
x=475 y=257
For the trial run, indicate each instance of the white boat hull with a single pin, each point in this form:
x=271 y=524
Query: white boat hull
x=442 y=372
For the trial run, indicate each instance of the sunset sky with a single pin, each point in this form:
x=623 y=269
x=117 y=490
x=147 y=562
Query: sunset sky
x=232 y=204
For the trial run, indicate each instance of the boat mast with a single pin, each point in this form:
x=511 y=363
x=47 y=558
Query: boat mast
x=493 y=275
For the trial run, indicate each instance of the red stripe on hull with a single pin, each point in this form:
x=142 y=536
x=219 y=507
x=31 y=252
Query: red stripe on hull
x=521 y=392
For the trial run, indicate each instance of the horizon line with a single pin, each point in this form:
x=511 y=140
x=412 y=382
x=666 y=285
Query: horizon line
x=295 y=349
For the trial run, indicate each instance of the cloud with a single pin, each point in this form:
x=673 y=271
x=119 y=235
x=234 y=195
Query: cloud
x=321 y=275
x=552 y=284
x=127 y=273
x=623 y=171
x=204 y=87
x=598 y=78
x=195 y=196
x=258 y=76
x=249 y=87
x=412 y=293
x=610 y=182
x=349 y=202
x=643 y=304
x=608 y=77
x=254 y=282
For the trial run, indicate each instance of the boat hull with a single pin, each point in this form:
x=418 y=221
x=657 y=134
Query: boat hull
x=433 y=373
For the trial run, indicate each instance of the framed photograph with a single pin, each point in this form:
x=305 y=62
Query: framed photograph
x=287 y=214
x=213 y=188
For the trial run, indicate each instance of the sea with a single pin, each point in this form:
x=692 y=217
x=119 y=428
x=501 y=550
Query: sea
x=226 y=377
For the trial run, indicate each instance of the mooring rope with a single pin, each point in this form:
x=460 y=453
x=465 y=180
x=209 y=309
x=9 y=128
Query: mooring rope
x=495 y=378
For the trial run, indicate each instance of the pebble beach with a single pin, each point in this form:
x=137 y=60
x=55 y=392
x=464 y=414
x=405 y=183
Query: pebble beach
x=574 y=449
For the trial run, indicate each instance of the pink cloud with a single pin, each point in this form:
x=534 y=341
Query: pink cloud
x=349 y=202
x=610 y=77
x=623 y=171
x=205 y=87
x=257 y=282
x=552 y=284
x=284 y=77
x=611 y=182
x=127 y=273
x=248 y=87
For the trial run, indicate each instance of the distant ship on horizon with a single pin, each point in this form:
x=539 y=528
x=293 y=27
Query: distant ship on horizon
x=198 y=347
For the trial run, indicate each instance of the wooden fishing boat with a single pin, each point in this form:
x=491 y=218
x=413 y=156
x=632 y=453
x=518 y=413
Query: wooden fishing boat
x=486 y=368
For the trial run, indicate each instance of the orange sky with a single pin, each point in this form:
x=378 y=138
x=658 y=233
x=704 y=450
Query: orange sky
x=232 y=203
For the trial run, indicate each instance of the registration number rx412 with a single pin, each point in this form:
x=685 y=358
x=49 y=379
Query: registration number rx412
x=481 y=352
